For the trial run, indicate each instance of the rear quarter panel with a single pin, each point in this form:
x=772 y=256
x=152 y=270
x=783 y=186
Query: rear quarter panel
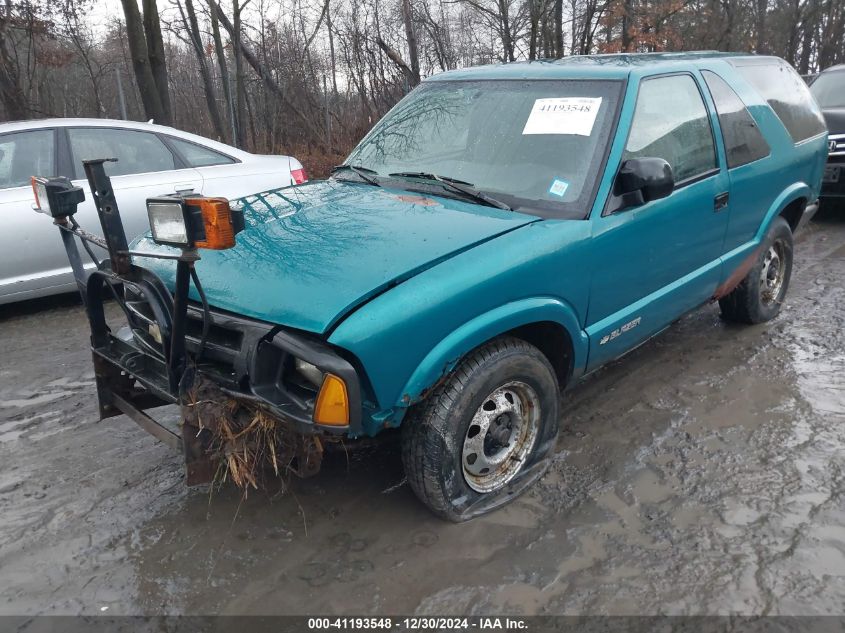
x=255 y=174
x=762 y=189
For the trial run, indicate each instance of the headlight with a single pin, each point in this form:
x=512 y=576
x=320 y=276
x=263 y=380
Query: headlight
x=167 y=223
x=311 y=373
x=194 y=222
x=332 y=405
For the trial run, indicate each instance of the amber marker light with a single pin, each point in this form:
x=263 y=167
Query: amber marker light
x=217 y=221
x=39 y=190
x=333 y=403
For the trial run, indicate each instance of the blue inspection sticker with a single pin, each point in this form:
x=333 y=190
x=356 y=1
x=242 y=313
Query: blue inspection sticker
x=558 y=188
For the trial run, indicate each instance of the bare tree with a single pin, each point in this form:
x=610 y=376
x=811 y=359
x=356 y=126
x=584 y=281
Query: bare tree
x=147 y=51
x=191 y=26
x=11 y=89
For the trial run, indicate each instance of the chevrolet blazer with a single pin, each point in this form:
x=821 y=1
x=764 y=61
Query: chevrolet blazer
x=500 y=233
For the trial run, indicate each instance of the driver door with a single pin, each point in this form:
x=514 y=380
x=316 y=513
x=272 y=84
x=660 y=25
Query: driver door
x=654 y=262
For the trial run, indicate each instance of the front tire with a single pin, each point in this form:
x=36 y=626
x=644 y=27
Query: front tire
x=759 y=296
x=484 y=435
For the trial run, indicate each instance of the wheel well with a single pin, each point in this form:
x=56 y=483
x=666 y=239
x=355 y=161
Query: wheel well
x=554 y=341
x=793 y=211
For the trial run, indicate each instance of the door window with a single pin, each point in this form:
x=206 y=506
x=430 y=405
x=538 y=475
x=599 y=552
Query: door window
x=743 y=141
x=136 y=152
x=197 y=155
x=671 y=122
x=26 y=154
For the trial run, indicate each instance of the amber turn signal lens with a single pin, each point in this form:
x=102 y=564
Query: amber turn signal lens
x=37 y=184
x=332 y=403
x=217 y=220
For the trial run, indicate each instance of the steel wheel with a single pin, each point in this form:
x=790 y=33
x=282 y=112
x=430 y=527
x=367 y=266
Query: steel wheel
x=500 y=436
x=772 y=273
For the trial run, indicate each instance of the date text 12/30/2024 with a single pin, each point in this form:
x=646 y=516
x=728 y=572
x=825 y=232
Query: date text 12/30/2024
x=417 y=624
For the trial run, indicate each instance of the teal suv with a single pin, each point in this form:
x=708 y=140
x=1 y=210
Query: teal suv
x=500 y=233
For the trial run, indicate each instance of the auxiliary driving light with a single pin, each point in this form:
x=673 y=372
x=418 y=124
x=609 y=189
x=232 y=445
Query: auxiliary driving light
x=56 y=197
x=194 y=222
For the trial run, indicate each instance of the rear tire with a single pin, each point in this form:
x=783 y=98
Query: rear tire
x=484 y=435
x=759 y=296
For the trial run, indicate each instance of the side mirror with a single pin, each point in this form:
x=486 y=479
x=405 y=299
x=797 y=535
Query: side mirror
x=641 y=180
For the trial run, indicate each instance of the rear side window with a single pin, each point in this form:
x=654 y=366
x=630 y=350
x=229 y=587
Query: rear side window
x=136 y=152
x=26 y=154
x=197 y=155
x=743 y=141
x=671 y=122
x=788 y=96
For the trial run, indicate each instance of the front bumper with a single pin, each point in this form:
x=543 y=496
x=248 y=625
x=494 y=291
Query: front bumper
x=252 y=359
x=246 y=363
x=248 y=360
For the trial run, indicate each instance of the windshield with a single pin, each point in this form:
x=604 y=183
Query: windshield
x=536 y=145
x=829 y=89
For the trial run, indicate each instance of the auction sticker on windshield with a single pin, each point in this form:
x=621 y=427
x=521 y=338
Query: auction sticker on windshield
x=563 y=115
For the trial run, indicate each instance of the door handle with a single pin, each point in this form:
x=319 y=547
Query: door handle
x=721 y=201
x=186 y=187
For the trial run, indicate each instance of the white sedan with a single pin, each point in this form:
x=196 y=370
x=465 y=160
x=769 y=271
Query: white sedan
x=153 y=160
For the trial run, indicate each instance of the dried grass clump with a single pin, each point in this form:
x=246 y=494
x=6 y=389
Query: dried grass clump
x=246 y=451
x=246 y=442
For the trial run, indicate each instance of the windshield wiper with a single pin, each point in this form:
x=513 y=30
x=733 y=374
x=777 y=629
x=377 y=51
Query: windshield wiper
x=364 y=173
x=461 y=186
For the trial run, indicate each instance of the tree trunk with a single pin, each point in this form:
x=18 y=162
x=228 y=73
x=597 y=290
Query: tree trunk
x=413 y=54
x=396 y=58
x=627 y=14
x=150 y=96
x=11 y=92
x=199 y=49
x=533 y=33
x=331 y=47
x=155 y=53
x=809 y=28
x=559 y=52
x=792 y=43
x=507 y=37
x=760 y=26
x=240 y=99
x=220 y=52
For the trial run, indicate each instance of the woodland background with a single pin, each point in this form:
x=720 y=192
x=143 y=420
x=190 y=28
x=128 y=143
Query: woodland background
x=309 y=77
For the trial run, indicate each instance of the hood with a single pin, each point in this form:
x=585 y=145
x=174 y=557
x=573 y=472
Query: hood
x=835 y=119
x=311 y=254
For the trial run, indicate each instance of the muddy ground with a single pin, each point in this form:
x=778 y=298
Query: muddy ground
x=703 y=473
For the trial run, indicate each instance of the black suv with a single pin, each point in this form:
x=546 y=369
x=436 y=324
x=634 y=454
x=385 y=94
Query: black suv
x=829 y=90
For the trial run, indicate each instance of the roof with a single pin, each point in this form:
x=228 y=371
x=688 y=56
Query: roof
x=837 y=68
x=609 y=66
x=17 y=126
x=80 y=122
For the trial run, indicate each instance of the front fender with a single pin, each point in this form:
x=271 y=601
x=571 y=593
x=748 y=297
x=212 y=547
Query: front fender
x=446 y=354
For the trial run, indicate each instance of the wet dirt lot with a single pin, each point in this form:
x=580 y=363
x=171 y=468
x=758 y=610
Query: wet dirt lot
x=702 y=473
